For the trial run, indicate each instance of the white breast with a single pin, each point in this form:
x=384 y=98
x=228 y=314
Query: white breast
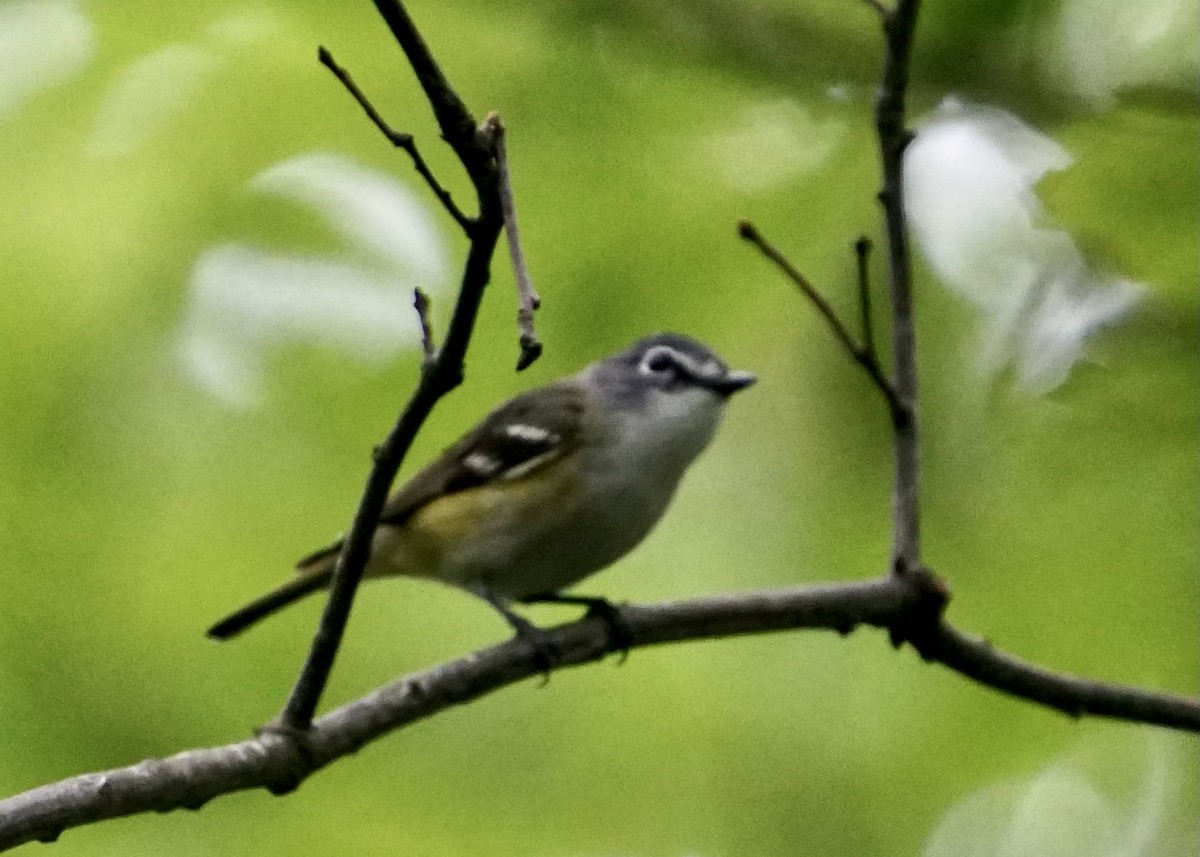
x=629 y=471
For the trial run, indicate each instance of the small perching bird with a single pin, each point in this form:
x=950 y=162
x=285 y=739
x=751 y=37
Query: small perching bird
x=554 y=485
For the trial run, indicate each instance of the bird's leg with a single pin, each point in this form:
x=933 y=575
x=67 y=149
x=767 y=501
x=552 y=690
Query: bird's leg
x=545 y=653
x=620 y=633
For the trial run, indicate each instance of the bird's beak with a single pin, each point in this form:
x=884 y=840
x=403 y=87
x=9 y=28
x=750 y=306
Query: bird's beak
x=732 y=381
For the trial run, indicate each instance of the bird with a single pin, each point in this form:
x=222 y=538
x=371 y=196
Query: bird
x=552 y=486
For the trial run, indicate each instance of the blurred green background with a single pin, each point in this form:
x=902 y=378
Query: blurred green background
x=207 y=261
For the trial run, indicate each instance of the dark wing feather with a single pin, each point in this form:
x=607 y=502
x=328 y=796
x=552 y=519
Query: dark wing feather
x=521 y=435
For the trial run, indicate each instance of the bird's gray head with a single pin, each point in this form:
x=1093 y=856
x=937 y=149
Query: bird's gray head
x=670 y=388
x=673 y=363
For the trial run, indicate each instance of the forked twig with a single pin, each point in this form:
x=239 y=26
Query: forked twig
x=862 y=354
x=439 y=375
x=899 y=25
x=399 y=139
x=527 y=296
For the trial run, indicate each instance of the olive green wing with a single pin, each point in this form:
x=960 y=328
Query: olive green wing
x=521 y=436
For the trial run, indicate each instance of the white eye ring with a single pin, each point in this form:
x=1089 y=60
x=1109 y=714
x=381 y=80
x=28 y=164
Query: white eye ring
x=660 y=360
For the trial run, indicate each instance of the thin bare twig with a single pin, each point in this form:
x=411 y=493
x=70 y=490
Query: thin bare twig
x=527 y=296
x=438 y=376
x=421 y=305
x=750 y=233
x=863 y=355
x=862 y=252
x=899 y=26
x=398 y=139
x=192 y=778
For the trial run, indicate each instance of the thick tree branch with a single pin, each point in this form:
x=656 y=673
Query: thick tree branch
x=190 y=779
x=978 y=660
x=439 y=375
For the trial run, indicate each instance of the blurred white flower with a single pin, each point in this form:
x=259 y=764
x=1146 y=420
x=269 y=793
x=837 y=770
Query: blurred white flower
x=370 y=210
x=43 y=43
x=158 y=86
x=1061 y=812
x=769 y=144
x=1104 y=46
x=243 y=300
x=970 y=175
x=146 y=95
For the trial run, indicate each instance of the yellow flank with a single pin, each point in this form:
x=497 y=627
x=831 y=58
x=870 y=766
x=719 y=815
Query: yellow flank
x=480 y=522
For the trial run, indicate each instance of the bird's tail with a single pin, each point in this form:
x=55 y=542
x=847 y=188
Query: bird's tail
x=313 y=573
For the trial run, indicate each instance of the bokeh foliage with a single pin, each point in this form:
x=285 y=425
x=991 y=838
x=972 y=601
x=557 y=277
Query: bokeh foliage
x=137 y=506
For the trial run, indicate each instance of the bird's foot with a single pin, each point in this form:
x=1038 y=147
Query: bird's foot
x=546 y=653
x=620 y=632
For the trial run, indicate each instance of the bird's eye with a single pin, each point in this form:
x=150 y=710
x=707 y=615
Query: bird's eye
x=659 y=362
